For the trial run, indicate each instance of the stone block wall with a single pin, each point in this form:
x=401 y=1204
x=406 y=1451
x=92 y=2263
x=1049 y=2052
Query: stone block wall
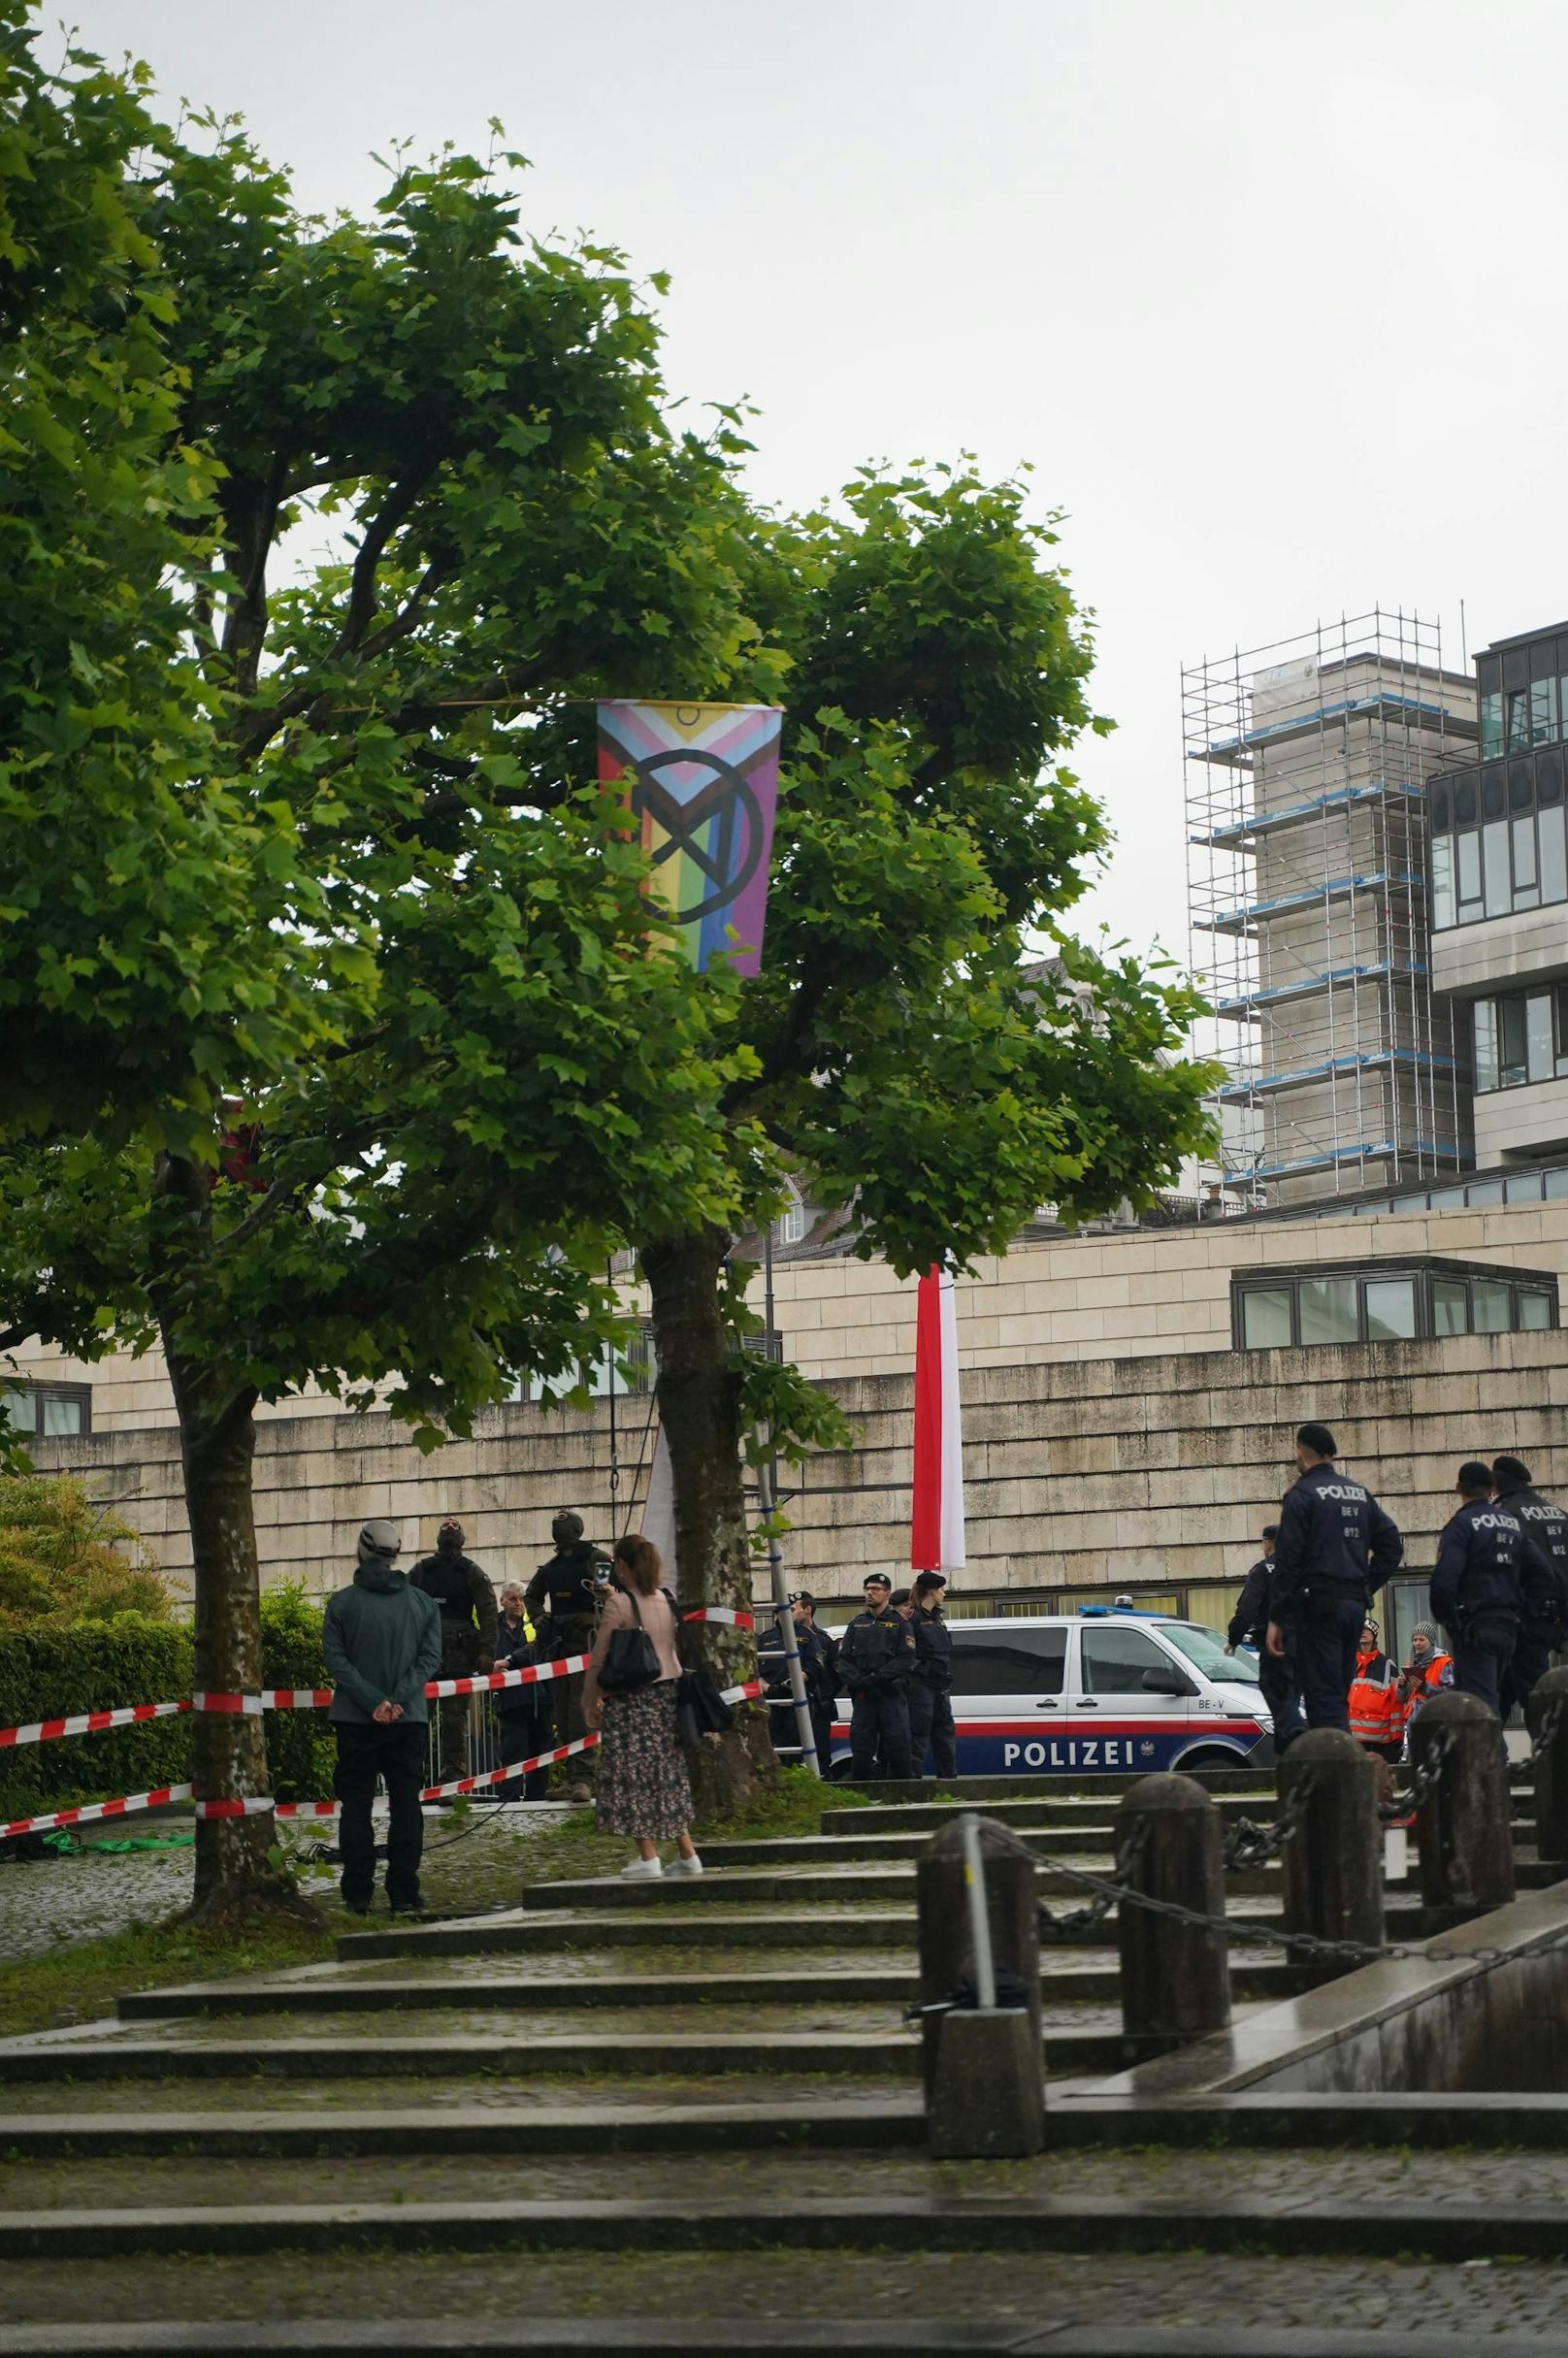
x=1081 y=1474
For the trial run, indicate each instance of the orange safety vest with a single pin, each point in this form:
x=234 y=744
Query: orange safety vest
x=1436 y=1674
x=1374 y=1703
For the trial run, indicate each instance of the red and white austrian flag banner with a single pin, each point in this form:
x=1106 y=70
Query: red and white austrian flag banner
x=936 y=1525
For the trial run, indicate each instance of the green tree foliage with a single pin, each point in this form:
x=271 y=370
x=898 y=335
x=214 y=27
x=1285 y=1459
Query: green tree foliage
x=387 y=1131
x=64 y=1559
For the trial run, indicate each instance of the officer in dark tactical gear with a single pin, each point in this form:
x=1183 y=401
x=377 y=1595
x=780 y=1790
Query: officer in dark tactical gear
x=876 y=1656
x=819 y=1671
x=1541 y=1634
x=1335 y=1549
x=1277 y=1680
x=1490 y=1578
x=930 y=1708
x=561 y=1601
x=467 y=1604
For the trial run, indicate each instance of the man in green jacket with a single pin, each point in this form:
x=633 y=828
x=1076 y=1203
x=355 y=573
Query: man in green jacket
x=382 y=1641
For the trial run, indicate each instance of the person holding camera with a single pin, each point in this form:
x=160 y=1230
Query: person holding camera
x=630 y=1696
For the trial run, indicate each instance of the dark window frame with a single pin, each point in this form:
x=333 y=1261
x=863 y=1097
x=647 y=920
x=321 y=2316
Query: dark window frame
x=38 y=1393
x=1425 y=1269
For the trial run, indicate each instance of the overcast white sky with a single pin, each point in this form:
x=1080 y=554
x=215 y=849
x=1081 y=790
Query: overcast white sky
x=1271 y=298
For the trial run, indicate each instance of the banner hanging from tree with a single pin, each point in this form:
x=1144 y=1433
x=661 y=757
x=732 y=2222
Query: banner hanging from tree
x=704 y=788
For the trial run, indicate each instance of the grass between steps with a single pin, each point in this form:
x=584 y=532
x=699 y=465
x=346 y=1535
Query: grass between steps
x=473 y=1859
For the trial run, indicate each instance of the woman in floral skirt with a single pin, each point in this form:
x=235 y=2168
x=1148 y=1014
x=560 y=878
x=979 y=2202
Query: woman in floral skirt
x=642 y=1787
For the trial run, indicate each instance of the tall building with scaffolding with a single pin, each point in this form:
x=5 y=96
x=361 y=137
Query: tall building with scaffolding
x=1305 y=766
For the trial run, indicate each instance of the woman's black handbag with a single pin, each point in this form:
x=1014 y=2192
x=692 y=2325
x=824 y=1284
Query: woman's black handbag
x=631 y=1659
x=699 y=1708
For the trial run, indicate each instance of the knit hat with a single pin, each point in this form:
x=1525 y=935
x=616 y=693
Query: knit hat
x=1425 y=1629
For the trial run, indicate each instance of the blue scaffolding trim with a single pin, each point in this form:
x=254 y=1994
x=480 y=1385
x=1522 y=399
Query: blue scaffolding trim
x=1235 y=749
x=1339 y=888
x=1266 y=822
x=1269 y=1084
x=1245 y=1008
x=1332 y=1156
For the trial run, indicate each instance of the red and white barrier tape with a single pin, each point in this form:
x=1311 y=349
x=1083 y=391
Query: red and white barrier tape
x=270 y=1698
x=722 y=1613
x=253 y=1804
x=88 y=1723
x=90 y=1810
x=533 y=1674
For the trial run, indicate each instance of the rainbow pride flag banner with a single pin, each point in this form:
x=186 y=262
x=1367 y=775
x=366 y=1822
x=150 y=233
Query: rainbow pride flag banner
x=703 y=787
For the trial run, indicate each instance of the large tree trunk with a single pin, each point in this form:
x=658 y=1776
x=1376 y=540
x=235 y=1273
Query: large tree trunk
x=700 y=1410
x=217 y=1439
x=234 y=1878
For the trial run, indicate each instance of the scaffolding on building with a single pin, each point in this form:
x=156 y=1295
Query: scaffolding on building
x=1305 y=764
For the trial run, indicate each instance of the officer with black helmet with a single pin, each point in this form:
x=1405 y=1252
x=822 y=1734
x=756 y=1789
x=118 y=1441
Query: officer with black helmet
x=1490 y=1578
x=467 y=1604
x=1335 y=1549
x=876 y=1656
x=561 y=1601
x=1540 y=1634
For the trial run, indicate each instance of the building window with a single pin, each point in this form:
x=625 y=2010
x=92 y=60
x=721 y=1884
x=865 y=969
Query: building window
x=1385 y=1301
x=1521 y=1038
x=1498 y=839
x=788 y=1228
x=50 y=1412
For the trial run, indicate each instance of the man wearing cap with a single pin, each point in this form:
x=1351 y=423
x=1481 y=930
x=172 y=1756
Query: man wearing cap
x=382 y=1641
x=561 y=1601
x=930 y=1708
x=819 y=1672
x=876 y=1656
x=1541 y=1633
x=466 y=1605
x=1490 y=1577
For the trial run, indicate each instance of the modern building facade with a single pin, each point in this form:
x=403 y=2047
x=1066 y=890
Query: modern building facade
x=1499 y=865
x=1306 y=765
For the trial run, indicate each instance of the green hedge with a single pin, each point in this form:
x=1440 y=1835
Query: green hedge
x=46 y=1669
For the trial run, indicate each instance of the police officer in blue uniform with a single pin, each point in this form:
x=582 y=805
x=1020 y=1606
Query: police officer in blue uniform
x=1335 y=1549
x=1277 y=1679
x=876 y=1656
x=931 y=1685
x=1541 y=1634
x=1490 y=1578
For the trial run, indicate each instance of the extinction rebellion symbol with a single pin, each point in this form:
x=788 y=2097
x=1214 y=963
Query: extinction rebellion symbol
x=685 y=824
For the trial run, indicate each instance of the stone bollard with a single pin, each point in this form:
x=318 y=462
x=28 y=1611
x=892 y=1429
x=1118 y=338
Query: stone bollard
x=1460 y=1766
x=1175 y=1976
x=1549 y=1701
x=1334 y=1853
x=985 y=2072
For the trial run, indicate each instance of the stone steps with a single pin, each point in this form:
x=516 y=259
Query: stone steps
x=446 y=2098
x=793 y=1886
x=896 y=1981
x=889 y=2052
x=1179 y=2221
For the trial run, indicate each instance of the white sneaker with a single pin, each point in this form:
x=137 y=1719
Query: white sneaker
x=685 y=1866
x=641 y=1870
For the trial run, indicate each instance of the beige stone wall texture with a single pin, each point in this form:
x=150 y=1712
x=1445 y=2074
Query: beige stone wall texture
x=1134 y=1294
x=1081 y=1474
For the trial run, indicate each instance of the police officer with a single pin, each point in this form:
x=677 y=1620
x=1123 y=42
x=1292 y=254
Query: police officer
x=466 y=1605
x=819 y=1672
x=1334 y=1551
x=876 y=1656
x=1490 y=1577
x=930 y=1708
x=1541 y=1634
x=1277 y=1679
x=561 y=1601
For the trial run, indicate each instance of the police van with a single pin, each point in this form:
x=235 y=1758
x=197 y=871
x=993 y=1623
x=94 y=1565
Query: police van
x=1103 y=1689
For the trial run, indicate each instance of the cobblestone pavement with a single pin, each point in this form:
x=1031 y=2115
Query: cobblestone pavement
x=1172 y=2290
x=89 y=1893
